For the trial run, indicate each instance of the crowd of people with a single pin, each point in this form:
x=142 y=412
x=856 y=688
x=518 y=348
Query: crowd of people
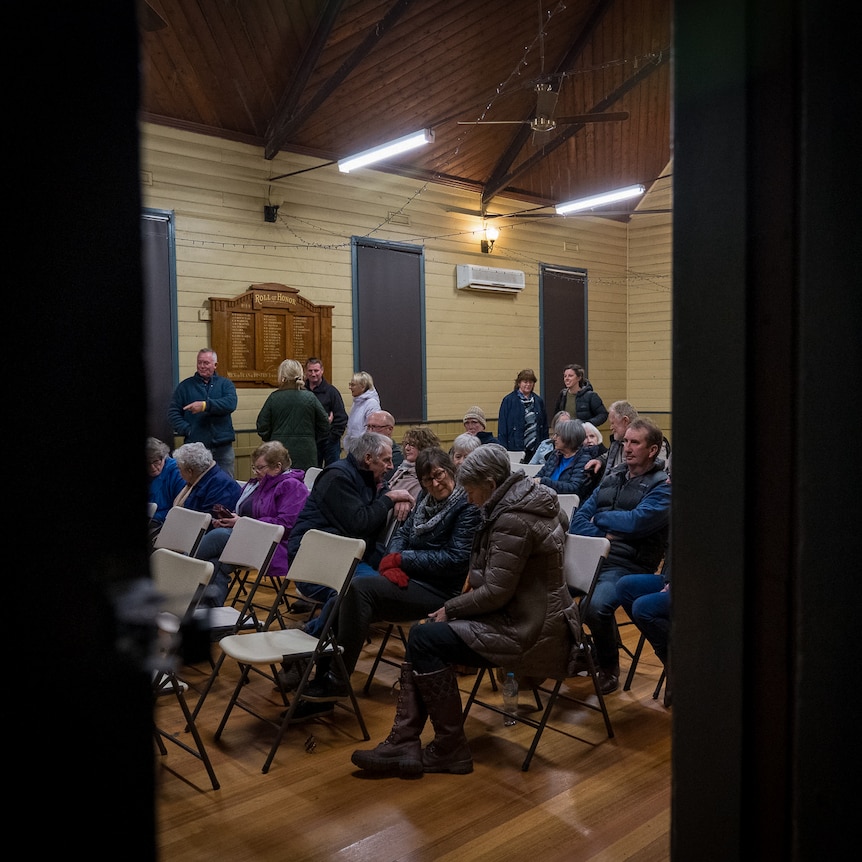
x=461 y=540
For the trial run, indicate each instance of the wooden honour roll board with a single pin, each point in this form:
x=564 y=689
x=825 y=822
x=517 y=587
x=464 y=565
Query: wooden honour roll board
x=255 y=332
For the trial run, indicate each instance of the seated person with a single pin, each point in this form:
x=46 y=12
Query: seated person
x=631 y=508
x=349 y=499
x=207 y=486
x=646 y=599
x=564 y=467
x=474 y=423
x=414 y=441
x=462 y=446
x=165 y=480
x=594 y=438
x=426 y=565
x=547 y=446
x=275 y=494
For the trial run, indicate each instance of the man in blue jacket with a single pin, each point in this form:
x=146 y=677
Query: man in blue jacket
x=631 y=508
x=201 y=407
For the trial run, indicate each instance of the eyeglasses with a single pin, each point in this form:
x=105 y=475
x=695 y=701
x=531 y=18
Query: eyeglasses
x=437 y=476
x=256 y=469
x=377 y=427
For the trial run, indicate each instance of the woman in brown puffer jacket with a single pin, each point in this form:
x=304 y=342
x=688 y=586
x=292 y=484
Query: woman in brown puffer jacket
x=515 y=613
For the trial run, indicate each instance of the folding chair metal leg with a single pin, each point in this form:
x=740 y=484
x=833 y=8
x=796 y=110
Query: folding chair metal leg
x=660 y=683
x=199 y=751
x=635 y=659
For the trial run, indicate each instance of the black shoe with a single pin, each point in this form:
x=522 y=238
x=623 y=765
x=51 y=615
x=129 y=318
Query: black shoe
x=307 y=711
x=608 y=679
x=300 y=606
x=327 y=689
x=289 y=677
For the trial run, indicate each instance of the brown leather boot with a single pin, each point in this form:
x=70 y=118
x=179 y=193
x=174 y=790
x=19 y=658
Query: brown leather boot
x=402 y=749
x=449 y=751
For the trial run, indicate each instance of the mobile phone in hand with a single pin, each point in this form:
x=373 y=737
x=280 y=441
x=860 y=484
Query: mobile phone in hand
x=220 y=512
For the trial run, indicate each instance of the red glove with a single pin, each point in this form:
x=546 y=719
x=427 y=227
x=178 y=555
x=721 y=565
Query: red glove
x=396 y=575
x=390 y=561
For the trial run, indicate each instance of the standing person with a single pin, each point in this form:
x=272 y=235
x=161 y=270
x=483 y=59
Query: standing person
x=293 y=416
x=578 y=399
x=365 y=402
x=201 y=407
x=165 y=480
x=475 y=424
x=522 y=423
x=631 y=508
x=275 y=494
x=328 y=448
x=514 y=615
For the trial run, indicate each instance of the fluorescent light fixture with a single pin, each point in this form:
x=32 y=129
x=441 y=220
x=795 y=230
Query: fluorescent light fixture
x=385 y=151
x=599 y=200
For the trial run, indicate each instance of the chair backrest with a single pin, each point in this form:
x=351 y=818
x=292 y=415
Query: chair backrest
x=326 y=559
x=176 y=578
x=152 y=508
x=582 y=560
x=529 y=469
x=568 y=503
x=310 y=475
x=183 y=530
x=515 y=458
x=251 y=544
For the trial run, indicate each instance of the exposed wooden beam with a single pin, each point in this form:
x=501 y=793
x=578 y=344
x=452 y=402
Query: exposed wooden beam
x=282 y=121
x=282 y=131
x=498 y=184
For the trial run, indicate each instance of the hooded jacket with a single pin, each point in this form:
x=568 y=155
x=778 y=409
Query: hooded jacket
x=516 y=590
x=589 y=406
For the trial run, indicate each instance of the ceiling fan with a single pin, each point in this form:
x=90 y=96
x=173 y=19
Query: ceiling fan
x=543 y=119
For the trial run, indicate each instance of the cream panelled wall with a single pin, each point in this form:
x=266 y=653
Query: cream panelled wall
x=650 y=306
x=476 y=343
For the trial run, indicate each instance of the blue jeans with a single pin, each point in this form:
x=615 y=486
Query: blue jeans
x=210 y=549
x=643 y=599
x=327 y=596
x=225 y=457
x=599 y=616
x=328 y=452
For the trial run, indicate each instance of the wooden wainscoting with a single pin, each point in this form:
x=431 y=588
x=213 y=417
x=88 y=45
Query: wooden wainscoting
x=600 y=799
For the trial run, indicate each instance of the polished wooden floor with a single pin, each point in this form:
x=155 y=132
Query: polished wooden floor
x=589 y=799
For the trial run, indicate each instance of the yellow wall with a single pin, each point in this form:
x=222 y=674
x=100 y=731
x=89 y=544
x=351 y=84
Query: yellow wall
x=476 y=343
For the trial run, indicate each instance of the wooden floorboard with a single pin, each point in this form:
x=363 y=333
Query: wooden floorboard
x=600 y=799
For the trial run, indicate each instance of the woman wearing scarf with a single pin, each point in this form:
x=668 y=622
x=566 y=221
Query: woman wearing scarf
x=426 y=565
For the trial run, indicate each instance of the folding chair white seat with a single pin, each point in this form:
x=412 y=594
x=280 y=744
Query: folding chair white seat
x=183 y=530
x=582 y=561
x=529 y=469
x=177 y=579
x=515 y=459
x=568 y=503
x=323 y=559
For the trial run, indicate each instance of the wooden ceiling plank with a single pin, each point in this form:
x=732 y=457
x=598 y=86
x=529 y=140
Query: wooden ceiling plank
x=283 y=130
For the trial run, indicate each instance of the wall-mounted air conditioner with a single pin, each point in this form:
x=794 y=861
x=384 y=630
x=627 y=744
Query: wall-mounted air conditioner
x=472 y=277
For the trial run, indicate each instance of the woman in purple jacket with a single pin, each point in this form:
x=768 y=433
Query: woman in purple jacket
x=276 y=495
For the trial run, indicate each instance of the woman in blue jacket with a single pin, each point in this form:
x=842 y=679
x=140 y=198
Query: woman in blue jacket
x=522 y=423
x=564 y=467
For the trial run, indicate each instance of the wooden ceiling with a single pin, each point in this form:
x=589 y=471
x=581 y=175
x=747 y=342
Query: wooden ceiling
x=329 y=78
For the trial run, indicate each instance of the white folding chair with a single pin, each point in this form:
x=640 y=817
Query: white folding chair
x=183 y=530
x=310 y=475
x=529 y=469
x=568 y=503
x=177 y=579
x=249 y=551
x=515 y=459
x=324 y=559
x=582 y=561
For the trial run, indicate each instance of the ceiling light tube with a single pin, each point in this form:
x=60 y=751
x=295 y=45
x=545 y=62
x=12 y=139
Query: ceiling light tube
x=385 y=151
x=599 y=200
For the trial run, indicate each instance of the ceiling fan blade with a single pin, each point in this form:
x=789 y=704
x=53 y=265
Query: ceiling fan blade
x=492 y=122
x=593 y=118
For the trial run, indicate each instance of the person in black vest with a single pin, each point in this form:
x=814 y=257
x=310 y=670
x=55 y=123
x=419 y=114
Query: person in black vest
x=329 y=447
x=631 y=508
